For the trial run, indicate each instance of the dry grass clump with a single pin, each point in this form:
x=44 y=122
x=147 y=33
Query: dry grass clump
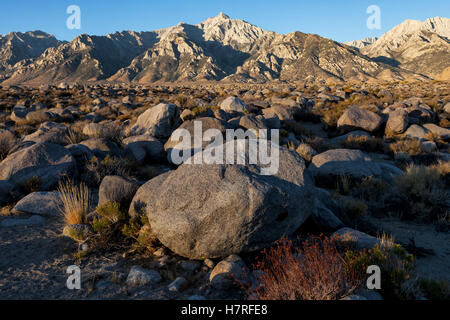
x=319 y=144
x=198 y=112
x=6 y=210
x=140 y=231
x=363 y=143
x=419 y=194
x=113 y=132
x=297 y=128
x=306 y=151
x=426 y=190
x=406 y=146
x=97 y=169
x=181 y=100
x=332 y=114
x=443 y=167
x=352 y=207
x=76 y=202
x=314 y=271
x=23 y=129
x=74 y=136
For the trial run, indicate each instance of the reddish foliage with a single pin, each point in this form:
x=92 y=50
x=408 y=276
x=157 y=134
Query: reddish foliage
x=314 y=271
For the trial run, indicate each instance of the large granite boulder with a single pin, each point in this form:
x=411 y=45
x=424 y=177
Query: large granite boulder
x=47 y=161
x=174 y=147
x=158 y=121
x=144 y=148
x=397 y=122
x=352 y=163
x=233 y=104
x=40 y=203
x=116 y=189
x=358 y=118
x=214 y=210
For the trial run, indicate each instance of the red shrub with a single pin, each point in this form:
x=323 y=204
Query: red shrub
x=315 y=271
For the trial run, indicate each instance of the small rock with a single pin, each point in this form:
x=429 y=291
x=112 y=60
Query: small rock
x=209 y=263
x=191 y=266
x=353 y=163
x=325 y=217
x=161 y=252
x=417 y=132
x=179 y=284
x=226 y=271
x=428 y=146
x=250 y=122
x=359 y=239
x=141 y=277
x=144 y=148
x=84 y=247
x=102 y=147
x=441 y=133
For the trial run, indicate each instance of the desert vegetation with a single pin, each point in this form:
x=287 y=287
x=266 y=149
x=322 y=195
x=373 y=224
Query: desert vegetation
x=92 y=162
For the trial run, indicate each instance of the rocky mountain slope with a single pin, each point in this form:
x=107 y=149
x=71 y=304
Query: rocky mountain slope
x=225 y=49
x=422 y=47
x=210 y=50
x=17 y=46
x=86 y=58
x=362 y=43
x=299 y=56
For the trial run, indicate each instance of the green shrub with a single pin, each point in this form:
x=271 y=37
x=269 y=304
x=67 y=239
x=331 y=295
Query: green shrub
x=397 y=267
x=112 y=212
x=435 y=290
x=426 y=190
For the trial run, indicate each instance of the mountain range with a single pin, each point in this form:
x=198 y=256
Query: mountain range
x=229 y=50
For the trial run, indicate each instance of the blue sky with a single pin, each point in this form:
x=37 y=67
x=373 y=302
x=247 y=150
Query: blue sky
x=341 y=20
